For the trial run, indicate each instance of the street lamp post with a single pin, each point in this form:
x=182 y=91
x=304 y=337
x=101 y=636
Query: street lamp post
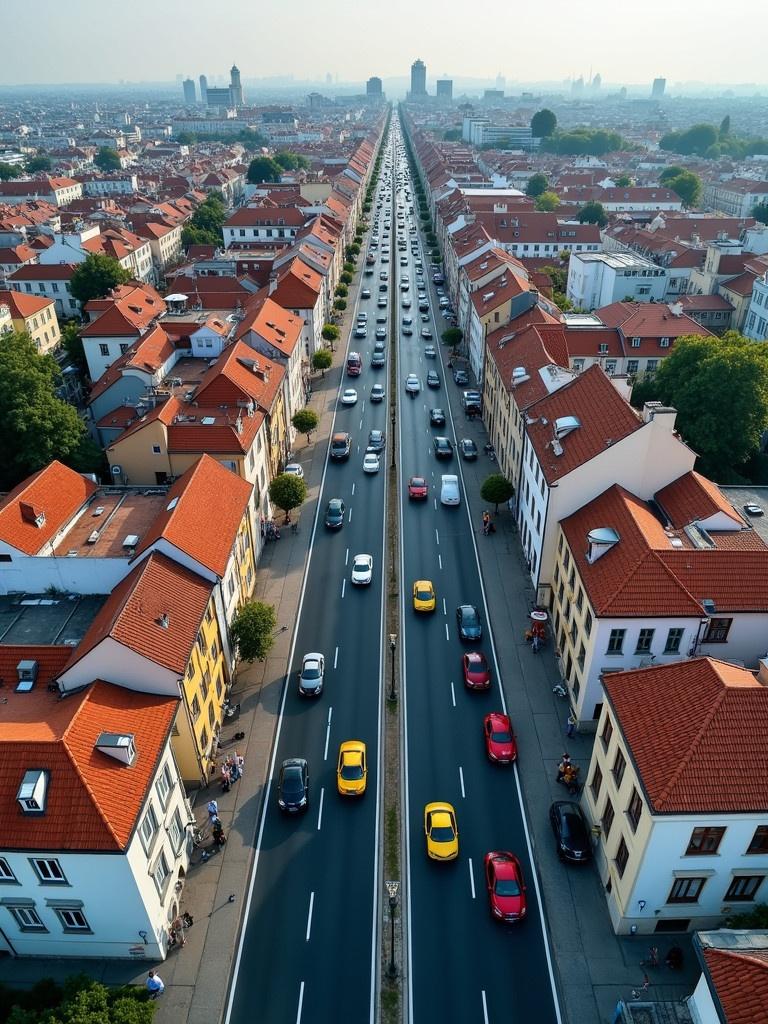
x=392 y=889
x=392 y=647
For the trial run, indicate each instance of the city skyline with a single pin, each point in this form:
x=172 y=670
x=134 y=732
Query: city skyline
x=567 y=52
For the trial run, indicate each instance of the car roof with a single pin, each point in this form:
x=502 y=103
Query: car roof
x=422 y=583
x=335 y=502
x=293 y=762
x=312 y=656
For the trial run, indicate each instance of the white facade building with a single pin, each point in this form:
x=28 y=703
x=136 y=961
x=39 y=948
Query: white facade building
x=598 y=279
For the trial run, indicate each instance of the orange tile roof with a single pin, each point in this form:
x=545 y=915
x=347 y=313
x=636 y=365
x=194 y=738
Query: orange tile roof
x=695 y=731
x=276 y=326
x=23 y=305
x=739 y=978
x=692 y=498
x=93 y=801
x=210 y=502
x=233 y=379
x=55 y=492
x=509 y=348
x=131 y=614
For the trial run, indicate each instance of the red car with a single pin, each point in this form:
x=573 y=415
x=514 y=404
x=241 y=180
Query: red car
x=500 y=743
x=477 y=674
x=506 y=888
x=417 y=487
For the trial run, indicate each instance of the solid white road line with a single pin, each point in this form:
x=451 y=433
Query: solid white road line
x=461 y=780
x=320 y=812
x=327 y=734
x=353 y=490
x=485 y=1008
x=309 y=915
x=301 y=1002
x=453 y=695
x=437 y=537
x=445 y=607
x=336 y=658
x=350 y=516
x=434 y=502
x=360 y=427
x=472 y=879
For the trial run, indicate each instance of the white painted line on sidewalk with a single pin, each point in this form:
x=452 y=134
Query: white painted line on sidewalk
x=461 y=780
x=453 y=695
x=320 y=812
x=343 y=586
x=485 y=1007
x=309 y=915
x=471 y=879
x=301 y=1002
x=336 y=657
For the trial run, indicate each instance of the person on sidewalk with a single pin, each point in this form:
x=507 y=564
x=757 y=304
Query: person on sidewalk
x=213 y=810
x=570 y=726
x=561 y=768
x=155 y=985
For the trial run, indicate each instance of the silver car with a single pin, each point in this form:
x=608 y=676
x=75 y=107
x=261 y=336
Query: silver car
x=312 y=675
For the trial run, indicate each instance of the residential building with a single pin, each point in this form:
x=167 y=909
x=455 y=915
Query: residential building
x=250 y=224
x=164 y=244
x=444 y=89
x=658 y=87
x=598 y=279
x=49 y=281
x=736 y=197
x=116 y=323
x=647 y=332
x=58 y=191
x=756 y=322
x=36 y=316
x=677 y=793
x=504 y=299
x=373 y=89
x=733 y=986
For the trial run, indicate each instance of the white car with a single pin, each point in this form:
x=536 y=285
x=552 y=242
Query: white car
x=294 y=469
x=362 y=569
x=349 y=397
x=312 y=675
x=371 y=462
x=412 y=384
x=449 y=490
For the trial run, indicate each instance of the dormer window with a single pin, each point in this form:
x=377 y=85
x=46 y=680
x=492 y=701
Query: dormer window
x=33 y=791
x=120 y=746
x=603 y=348
x=635 y=343
x=664 y=342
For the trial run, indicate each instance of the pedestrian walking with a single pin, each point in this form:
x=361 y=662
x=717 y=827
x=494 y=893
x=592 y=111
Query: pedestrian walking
x=155 y=985
x=618 y=1013
x=570 y=726
x=213 y=810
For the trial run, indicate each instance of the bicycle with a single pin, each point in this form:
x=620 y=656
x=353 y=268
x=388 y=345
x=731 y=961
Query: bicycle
x=199 y=835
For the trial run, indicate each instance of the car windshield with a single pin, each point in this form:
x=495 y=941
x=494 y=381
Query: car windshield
x=507 y=887
x=351 y=772
x=501 y=736
x=311 y=672
x=361 y=567
x=442 y=833
x=572 y=826
x=424 y=594
x=417 y=482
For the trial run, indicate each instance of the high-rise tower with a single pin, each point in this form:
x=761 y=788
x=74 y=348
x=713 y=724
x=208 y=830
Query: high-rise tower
x=235 y=87
x=418 y=79
x=203 y=89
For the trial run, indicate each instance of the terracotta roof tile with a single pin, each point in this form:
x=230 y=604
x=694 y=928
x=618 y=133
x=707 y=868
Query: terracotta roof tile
x=55 y=493
x=740 y=981
x=692 y=498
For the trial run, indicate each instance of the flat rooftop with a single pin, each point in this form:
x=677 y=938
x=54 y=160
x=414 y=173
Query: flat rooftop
x=618 y=260
x=44 y=619
x=112 y=515
x=741 y=496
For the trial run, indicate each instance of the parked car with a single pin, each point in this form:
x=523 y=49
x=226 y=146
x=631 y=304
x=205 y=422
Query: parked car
x=571 y=831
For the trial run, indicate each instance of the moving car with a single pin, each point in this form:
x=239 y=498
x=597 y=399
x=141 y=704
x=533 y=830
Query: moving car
x=362 y=569
x=354 y=364
x=424 y=597
x=441 y=832
x=406 y=304
x=381 y=333
x=349 y=396
x=312 y=675
x=407 y=330
x=334 y=514
x=433 y=379
x=377 y=393
x=294 y=469
x=460 y=377
x=417 y=487
x=443 y=448
x=430 y=352
x=361 y=331
x=753 y=510
x=293 y=785
x=412 y=384
x=468 y=448
x=477 y=674
x=352 y=770
x=365 y=293
x=505 y=885
x=468 y=621
x=340 y=445
x=371 y=462
x=436 y=418
x=376 y=441
x=571 y=832
x=426 y=333
x=500 y=743
x=449 y=490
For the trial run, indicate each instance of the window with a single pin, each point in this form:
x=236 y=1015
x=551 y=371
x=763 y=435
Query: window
x=674 y=639
x=744 y=887
x=635 y=809
x=205 y=685
x=6 y=875
x=49 y=871
x=664 y=342
x=211 y=714
x=28 y=919
x=619 y=764
x=161 y=873
x=635 y=343
x=155 y=449
x=176 y=831
x=759 y=841
x=588 y=622
x=632 y=366
x=580 y=599
x=123 y=349
x=705 y=840
x=616 y=641
x=686 y=890
x=596 y=783
x=204 y=739
x=652 y=365
x=72 y=919
x=104 y=350
x=581 y=657
x=607 y=732
x=717 y=631
x=607 y=819
x=621 y=858
x=644 y=641
x=164 y=785
x=195 y=709
x=148 y=828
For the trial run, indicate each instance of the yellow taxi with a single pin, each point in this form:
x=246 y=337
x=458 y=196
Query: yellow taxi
x=424 y=598
x=441 y=831
x=352 y=771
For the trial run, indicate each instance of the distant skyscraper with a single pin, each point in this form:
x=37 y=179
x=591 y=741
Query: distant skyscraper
x=577 y=86
x=190 y=98
x=445 y=89
x=373 y=88
x=418 y=79
x=501 y=82
x=235 y=87
x=597 y=82
x=659 y=85
x=203 y=89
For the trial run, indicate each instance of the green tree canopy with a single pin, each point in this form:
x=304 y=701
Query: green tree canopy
x=190 y=235
x=340 y=304
x=253 y=629
x=584 y=141
x=537 y=184
x=322 y=360
x=593 y=213
x=760 y=212
x=670 y=172
x=696 y=140
x=719 y=387
x=495 y=489
x=543 y=124
x=305 y=421
x=38 y=162
x=107 y=159
x=290 y=161
x=96 y=276
x=687 y=185
x=547 y=202
x=264 y=168
x=72 y=344
x=330 y=332
x=452 y=336
x=8 y=171
x=623 y=181
x=287 y=491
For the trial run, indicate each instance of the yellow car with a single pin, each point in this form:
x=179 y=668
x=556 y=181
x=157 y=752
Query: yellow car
x=424 y=599
x=352 y=772
x=441 y=832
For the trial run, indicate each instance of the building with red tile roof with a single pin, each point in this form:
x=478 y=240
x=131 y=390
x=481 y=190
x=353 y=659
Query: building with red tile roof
x=37 y=510
x=734 y=981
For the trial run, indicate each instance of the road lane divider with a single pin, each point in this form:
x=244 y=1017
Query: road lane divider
x=461 y=783
x=309 y=916
x=485 y=1007
x=301 y=1003
x=343 y=587
x=336 y=657
x=327 y=734
x=453 y=694
x=320 y=811
x=472 y=879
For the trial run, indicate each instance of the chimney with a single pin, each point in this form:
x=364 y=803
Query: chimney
x=272 y=281
x=676 y=308
x=663 y=414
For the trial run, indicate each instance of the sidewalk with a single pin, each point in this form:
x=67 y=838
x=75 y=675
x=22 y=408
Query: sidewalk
x=594 y=968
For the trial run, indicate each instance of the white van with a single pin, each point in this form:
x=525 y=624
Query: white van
x=449 y=490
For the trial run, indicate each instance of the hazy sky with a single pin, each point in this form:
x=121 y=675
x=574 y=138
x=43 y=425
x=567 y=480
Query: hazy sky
x=153 y=40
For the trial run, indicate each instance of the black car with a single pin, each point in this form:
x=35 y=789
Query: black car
x=443 y=448
x=334 y=514
x=468 y=621
x=340 y=445
x=293 y=785
x=460 y=377
x=468 y=448
x=571 y=832
x=376 y=441
x=436 y=418
x=433 y=379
